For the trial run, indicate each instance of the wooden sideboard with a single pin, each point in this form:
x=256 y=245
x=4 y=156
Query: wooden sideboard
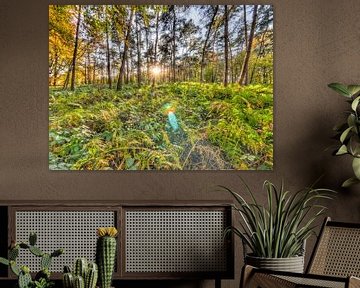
x=157 y=240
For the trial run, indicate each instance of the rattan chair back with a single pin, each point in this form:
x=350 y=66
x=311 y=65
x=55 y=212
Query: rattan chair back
x=337 y=252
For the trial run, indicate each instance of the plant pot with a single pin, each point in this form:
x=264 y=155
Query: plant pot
x=291 y=264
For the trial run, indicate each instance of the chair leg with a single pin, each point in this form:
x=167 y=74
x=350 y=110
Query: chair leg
x=251 y=279
x=217 y=282
x=246 y=274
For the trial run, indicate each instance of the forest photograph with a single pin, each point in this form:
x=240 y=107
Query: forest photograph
x=161 y=87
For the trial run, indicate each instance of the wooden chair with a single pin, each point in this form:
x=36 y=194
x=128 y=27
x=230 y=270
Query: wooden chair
x=335 y=262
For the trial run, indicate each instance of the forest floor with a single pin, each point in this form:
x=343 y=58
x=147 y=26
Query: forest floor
x=178 y=126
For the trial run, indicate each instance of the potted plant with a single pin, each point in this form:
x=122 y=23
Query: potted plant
x=349 y=132
x=276 y=233
x=42 y=278
x=84 y=274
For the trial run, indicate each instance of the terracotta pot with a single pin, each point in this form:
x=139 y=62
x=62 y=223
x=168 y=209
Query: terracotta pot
x=291 y=264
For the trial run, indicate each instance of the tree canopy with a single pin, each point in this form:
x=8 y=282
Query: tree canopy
x=116 y=44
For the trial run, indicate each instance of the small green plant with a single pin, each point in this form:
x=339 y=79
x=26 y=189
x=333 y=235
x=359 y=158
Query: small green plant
x=349 y=132
x=279 y=229
x=43 y=283
x=85 y=275
x=105 y=254
x=42 y=278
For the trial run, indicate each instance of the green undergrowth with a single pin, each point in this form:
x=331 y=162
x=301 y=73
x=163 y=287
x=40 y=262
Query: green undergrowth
x=95 y=128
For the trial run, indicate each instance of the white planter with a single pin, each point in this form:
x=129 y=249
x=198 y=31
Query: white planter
x=291 y=264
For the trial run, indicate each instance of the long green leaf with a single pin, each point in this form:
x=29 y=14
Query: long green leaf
x=350 y=181
x=353 y=89
x=280 y=228
x=356 y=167
x=340 y=88
x=355 y=103
x=345 y=134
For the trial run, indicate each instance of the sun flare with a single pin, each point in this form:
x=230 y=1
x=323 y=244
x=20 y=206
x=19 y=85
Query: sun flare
x=155 y=70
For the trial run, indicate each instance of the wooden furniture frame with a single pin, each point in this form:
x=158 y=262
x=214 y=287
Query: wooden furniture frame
x=8 y=215
x=335 y=262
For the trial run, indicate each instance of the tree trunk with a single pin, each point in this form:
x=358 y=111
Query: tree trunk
x=245 y=65
x=206 y=43
x=147 y=53
x=214 y=64
x=261 y=51
x=126 y=46
x=174 y=45
x=127 y=74
x=89 y=68
x=72 y=87
x=94 y=71
x=156 y=36
x=66 y=82
x=232 y=72
x=226 y=45
x=138 y=42
x=85 y=72
x=55 y=67
x=246 y=40
x=108 y=53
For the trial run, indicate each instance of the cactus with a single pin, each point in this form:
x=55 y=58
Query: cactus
x=36 y=251
x=57 y=252
x=68 y=280
x=79 y=282
x=45 y=261
x=88 y=273
x=91 y=276
x=24 y=280
x=105 y=254
x=32 y=238
x=13 y=253
x=14 y=268
x=67 y=269
x=23 y=273
x=4 y=261
x=24 y=246
x=80 y=267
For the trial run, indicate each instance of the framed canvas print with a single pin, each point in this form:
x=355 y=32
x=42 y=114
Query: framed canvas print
x=160 y=87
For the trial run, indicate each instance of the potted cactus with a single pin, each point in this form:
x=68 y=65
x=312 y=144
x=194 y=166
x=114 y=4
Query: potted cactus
x=42 y=278
x=84 y=275
x=106 y=254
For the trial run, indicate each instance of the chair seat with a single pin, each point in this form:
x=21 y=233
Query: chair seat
x=263 y=278
x=314 y=282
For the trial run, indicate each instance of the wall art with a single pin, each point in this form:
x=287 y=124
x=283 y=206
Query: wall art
x=160 y=87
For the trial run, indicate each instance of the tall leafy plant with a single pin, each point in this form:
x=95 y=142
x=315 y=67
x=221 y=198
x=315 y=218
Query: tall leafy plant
x=279 y=229
x=349 y=131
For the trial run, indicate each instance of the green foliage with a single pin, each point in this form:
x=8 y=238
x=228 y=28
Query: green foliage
x=43 y=283
x=245 y=127
x=279 y=229
x=349 y=132
x=42 y=278
x=221 y=128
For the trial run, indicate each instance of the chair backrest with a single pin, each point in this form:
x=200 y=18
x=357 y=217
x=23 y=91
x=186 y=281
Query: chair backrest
x=337 y=251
